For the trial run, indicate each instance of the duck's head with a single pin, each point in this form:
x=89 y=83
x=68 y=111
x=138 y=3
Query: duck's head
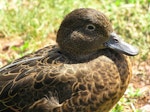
x=85 y=31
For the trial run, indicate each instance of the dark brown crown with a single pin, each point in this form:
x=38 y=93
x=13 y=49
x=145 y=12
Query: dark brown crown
x=83 y=31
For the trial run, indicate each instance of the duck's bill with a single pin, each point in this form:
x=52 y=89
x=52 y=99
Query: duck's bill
x=118 y=45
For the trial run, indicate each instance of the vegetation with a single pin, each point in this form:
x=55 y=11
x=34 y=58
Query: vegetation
x=27 y=25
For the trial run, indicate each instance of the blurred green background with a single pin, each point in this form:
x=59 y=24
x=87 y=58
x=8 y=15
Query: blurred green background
x=27 y=25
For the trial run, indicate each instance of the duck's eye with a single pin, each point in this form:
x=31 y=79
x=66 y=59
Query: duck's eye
x=90 y=27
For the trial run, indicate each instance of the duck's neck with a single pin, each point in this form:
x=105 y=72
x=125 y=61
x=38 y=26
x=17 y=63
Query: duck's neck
x=80 y=57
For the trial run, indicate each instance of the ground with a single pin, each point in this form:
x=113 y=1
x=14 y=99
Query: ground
x=137 y=96
x=27 y=25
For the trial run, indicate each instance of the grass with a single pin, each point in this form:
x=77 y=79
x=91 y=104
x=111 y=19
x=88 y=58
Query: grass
x=34 y=22
x=36 y=19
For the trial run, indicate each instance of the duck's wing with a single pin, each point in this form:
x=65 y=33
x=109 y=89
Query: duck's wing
x=25 y=73
x=14 y=69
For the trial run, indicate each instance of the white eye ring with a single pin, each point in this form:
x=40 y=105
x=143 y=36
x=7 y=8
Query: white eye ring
x=90 y=27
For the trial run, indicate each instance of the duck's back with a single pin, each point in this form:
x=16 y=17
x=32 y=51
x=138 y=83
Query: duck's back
x=22 y=81
x=96 y=83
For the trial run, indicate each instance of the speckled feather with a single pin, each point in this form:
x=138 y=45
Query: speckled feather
x=63 y=78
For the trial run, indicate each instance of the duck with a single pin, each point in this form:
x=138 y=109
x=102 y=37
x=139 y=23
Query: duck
x=88 y=70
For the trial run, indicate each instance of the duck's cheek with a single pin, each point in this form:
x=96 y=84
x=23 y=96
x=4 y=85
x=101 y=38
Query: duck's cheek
x=81 y=36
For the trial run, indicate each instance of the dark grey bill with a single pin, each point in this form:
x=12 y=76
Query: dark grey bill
x=119 y=45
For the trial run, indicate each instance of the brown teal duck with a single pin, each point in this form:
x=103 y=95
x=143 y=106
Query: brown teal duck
x=86 y=72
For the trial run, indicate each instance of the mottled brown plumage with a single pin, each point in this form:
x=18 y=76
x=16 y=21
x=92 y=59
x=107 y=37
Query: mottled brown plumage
x=85 y=72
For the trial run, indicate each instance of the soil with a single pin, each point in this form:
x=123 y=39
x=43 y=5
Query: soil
x=140 y=80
